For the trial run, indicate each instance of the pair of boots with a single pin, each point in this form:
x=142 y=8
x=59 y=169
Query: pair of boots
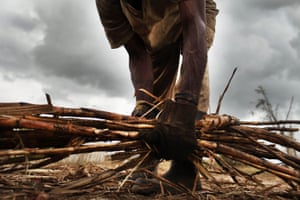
x=174 y=139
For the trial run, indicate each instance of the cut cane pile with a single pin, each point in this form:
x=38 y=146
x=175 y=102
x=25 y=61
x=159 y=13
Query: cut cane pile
x=235 y=159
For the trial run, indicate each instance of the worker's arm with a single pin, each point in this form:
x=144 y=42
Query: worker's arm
x=192 y=14
x=174 y=136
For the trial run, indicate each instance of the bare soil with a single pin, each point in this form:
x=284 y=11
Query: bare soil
x=55 y=181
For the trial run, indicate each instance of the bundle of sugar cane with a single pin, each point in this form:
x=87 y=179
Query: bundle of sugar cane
x=38 y=135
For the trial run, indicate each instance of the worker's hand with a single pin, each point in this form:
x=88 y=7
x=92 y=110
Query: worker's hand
x=170 y=142
x=174 y=135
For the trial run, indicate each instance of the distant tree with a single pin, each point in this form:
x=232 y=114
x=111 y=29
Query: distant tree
x=272 y=114
x=265 y=104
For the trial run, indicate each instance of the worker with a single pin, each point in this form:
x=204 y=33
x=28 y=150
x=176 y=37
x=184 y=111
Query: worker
x=154 y=34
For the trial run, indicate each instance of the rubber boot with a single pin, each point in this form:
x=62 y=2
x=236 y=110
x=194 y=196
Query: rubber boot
x=183 y=173
x=181 y=115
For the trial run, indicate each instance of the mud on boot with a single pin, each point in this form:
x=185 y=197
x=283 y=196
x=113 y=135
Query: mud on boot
x=182 y=173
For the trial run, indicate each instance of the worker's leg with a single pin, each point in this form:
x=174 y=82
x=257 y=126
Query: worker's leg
x=165 y=67
x=140 y=66
x=211 y=13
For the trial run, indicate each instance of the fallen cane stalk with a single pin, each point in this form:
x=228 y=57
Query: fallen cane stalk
x=270 y=136
x=270 y=123
x=20 y=122
x=254 y=161
x=278 y=155
x=122 y=146
x=134 y=169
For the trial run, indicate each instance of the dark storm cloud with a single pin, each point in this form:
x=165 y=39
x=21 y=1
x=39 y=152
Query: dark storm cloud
x=295 y=43
x=19 y=31
x=260 y=38
x=271 y=4
x=24 y=23
x=72 y=47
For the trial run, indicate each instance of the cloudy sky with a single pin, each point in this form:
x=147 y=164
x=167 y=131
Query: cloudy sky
x=59 y=47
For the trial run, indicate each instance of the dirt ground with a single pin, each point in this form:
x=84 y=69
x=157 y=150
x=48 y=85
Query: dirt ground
x=82 y=182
